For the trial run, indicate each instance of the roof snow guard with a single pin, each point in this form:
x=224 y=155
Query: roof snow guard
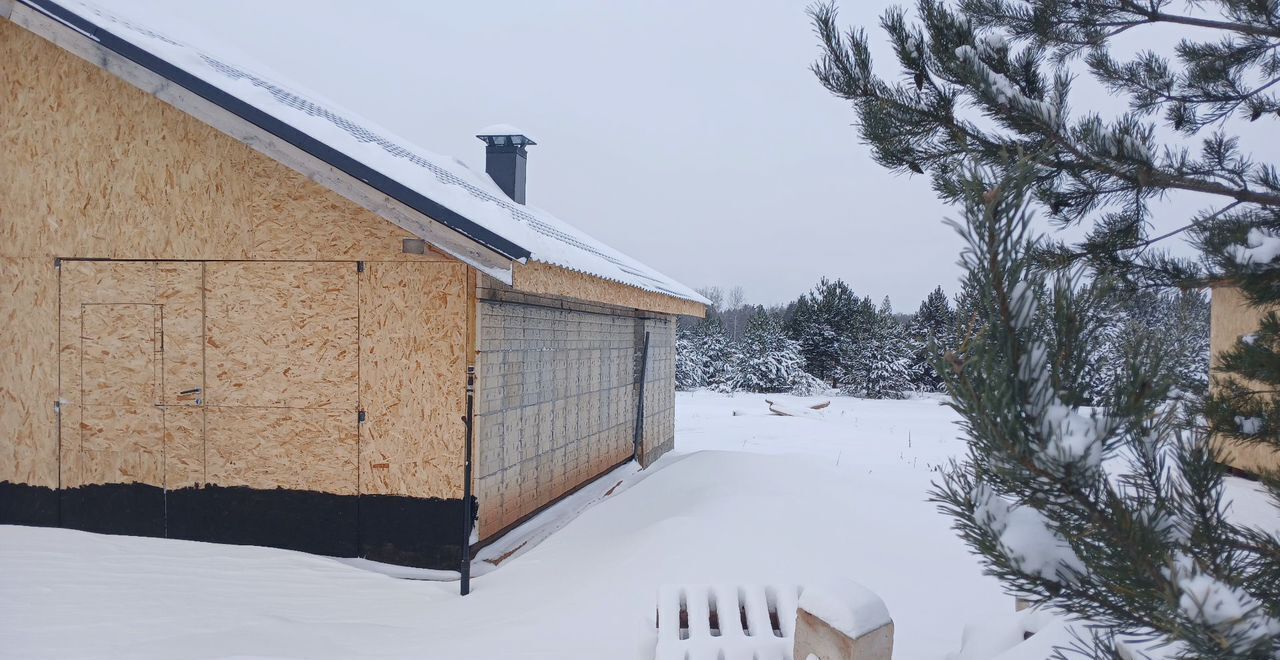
x=442 y=188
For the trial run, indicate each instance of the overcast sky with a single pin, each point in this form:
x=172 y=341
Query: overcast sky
x=690 y=135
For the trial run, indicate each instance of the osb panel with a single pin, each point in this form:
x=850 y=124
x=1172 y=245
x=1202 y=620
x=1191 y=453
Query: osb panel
x=296 y=219
x=1231 y=317
x=105 y=445
x=281 y=334
x=121 y=428
x=179 y=295
x=112 y=431
x=183 y=446
x=545 y=279
x=413 y=325
x=119 y=356
x=282 y=448
x=85 y=285
x=28 y=371
x=94 y=167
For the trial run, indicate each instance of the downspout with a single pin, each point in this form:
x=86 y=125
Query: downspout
x=467 y=518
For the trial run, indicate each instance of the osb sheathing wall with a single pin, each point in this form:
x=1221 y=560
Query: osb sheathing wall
x=546 y=279
x=413 y=359
x=1231 y=317
x=91 y=167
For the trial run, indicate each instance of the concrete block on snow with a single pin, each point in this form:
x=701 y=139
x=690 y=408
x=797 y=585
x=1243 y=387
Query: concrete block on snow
x=842 y=620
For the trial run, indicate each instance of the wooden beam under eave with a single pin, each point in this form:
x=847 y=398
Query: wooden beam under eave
x=439 y=236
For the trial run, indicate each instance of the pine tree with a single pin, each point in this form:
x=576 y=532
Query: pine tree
x=704 y=355
x=1142 y=547
x=691 y=361
x=934 y=321
x=885 y=367
x=823 y=325
x=1187 y=313
x=1006 y=59
x=969 y=321
x=1177 y=321
x=768 y=360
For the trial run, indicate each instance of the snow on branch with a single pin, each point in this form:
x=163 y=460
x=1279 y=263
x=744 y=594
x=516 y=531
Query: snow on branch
x=1239 y=617
x=1260 y=248
x=1003 y=89
x=1025 y=537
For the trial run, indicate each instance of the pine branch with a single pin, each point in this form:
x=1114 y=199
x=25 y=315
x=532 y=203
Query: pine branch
x=1228 y=26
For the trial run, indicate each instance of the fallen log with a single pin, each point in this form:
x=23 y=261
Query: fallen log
x=787 y=411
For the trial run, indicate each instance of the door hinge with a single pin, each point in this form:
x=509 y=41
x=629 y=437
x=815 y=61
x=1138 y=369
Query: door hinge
x=359 y=266
x=57 y=263
x=360 y=416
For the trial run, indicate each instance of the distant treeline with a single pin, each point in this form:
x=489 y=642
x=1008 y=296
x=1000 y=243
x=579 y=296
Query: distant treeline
x=831 y=338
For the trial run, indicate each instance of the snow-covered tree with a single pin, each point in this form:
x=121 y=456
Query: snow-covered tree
x=884 y=366
x=990 y=83
x=824 y=323
x=1114 y=513
x=691 y=362
x=1177 y=321
x=934 y=321
x=704 y=355
x=1188 y=314
x=768 y=360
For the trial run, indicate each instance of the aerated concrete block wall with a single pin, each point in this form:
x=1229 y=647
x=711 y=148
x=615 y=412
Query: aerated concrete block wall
x=660 y=389
x=556 y=402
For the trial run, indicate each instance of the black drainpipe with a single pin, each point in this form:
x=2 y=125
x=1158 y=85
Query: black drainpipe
x=467 y=516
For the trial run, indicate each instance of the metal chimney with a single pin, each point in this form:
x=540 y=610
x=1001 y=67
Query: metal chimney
x=505 y=158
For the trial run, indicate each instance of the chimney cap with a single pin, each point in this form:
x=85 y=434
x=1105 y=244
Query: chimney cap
x=502 y=134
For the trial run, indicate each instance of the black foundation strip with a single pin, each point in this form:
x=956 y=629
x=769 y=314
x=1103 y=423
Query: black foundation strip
x=21 y=504
x=309 y=521
x=132 y=509
x=409 y=531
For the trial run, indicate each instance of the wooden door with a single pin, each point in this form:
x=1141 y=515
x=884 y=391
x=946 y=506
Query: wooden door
x=110 y=350
x=131 y=373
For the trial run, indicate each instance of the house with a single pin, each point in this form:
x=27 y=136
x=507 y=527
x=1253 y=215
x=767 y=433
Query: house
x=234 y=313
x=1230 y=318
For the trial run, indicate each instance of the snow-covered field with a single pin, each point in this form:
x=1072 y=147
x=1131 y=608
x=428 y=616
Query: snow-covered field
x=746 y=497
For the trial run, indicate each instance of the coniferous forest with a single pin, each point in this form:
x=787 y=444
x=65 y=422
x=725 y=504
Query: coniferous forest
x=833 y=339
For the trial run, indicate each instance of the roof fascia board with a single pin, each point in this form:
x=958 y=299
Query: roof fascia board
x=440 y=226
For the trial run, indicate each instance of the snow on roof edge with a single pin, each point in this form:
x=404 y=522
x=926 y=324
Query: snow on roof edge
x=443 y=180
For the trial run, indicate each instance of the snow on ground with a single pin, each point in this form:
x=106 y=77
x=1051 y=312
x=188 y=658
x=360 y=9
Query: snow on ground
x=747 y=497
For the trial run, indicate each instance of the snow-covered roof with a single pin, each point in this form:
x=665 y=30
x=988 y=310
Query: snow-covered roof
x=483 y=212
